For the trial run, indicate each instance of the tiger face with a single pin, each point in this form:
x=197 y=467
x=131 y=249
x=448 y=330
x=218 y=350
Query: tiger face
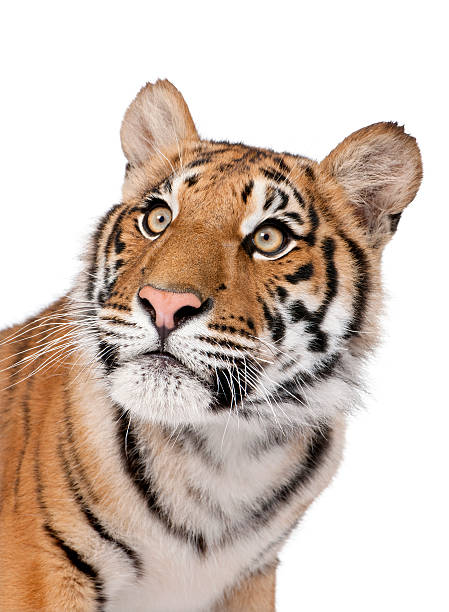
x=235 y=282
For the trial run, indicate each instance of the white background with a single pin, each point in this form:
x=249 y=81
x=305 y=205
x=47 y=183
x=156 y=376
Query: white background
x=292 y=76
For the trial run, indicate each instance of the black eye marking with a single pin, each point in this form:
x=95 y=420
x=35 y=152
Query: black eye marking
x=221 y=287
x=153 y=201
x=303 y=273
x=192 y=180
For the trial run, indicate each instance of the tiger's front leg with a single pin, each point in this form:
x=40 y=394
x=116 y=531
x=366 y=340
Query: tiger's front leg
x=254 y=594
x=43 y=581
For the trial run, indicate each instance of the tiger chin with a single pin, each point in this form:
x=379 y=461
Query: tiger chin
x=166 y=424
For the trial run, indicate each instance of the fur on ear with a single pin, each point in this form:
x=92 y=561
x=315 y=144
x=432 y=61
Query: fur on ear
x=380 y=169
x=157 y=119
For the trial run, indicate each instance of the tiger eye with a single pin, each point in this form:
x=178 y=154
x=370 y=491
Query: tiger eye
x=157 y=219
x=268 y=239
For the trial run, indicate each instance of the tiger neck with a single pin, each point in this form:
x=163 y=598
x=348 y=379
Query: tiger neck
x=205 y=484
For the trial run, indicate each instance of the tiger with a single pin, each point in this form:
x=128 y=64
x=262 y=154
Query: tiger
x=166 y=424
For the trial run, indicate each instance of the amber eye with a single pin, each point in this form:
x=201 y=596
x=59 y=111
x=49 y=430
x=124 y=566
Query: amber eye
x=157 y=220
x=269 y=239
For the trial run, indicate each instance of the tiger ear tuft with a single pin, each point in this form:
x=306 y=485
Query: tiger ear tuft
x=158 y=118
x=380 y=169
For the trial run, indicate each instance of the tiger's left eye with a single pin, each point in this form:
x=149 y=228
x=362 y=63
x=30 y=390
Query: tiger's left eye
x=269 y=239
x=157 y=220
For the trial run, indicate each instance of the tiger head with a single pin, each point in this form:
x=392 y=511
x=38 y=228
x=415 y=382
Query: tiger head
x=235 y=282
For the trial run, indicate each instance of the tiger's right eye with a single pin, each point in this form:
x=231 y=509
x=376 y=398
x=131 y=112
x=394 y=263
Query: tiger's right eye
x=157 y=220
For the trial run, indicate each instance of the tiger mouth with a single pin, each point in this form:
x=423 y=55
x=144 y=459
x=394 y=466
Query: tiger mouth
x=163 y=358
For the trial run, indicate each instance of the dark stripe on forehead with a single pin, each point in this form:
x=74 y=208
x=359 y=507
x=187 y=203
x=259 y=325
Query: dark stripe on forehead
x=284 y=200
x=205 y=159
x=295 y=217
x=278 y=177
x=281 y=164
x=308 y=171
x=246 y=192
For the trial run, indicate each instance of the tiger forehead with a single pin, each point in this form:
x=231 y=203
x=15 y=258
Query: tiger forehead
x=240 y=183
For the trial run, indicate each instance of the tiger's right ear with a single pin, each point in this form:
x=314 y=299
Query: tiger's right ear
x=158 y=118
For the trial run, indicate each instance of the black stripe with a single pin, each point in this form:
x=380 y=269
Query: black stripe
x=274 y=321
x=264 y=508
x=117 y=321
x=73 y=556
x=110 y=242
x=246 y=192
x=290 y=389
x=75 y=559
x=108 y=355
x=205 y=159
x=362 y=285
x=278 y=177
x=308 y=171
x=295 y=217
x=116 y=306
x=303 y=474
x=299 y=312
x=192 y=180
x=284 y=200
x=282 y=165
x=92 y=519
x=139 y=472
x=282 y=293
x=92 y=271
x=303 y=273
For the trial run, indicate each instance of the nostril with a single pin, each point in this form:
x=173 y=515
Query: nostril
x=147 y=305
x=186 y=312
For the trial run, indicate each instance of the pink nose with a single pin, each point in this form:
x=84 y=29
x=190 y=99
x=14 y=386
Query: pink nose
x=167 y=303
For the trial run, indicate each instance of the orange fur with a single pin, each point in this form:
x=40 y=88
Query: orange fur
x=46 y=432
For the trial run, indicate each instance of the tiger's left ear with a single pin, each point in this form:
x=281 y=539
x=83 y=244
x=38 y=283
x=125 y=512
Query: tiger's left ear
x=158 y=118
x=380 y=169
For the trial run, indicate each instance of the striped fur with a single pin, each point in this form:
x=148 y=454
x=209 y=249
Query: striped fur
x=135 y=482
